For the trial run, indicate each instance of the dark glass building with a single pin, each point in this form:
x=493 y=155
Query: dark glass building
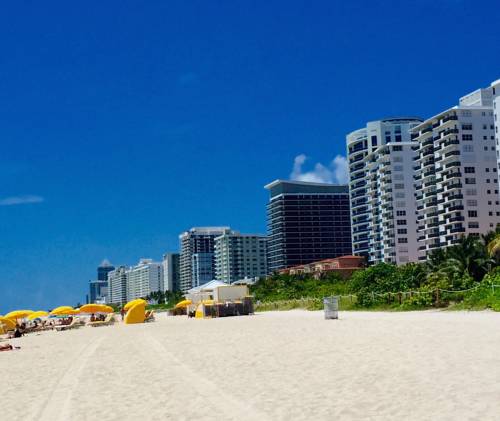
x=103 y=269
x=307 y=222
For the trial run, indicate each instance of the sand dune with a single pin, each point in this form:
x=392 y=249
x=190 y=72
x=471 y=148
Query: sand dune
x=280 y=365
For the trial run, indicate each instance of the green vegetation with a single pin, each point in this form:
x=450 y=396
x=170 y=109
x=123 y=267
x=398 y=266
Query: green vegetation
x=464 y=276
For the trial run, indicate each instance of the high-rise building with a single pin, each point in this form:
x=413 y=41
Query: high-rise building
x=99 y=288
x=103 y=269
x=197 y=262
x=98 y=291
x=456 y=181
x=144 y=278
x=171 y=274
x=495 y=90
x=239 y=256
x=306 y=222
x=382 y=191
x=117 y=290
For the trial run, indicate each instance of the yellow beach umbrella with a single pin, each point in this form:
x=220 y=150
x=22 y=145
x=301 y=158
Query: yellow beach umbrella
x=132 y=303
x=58 y=310
x=95 y=308
x=8 y=324
x=63 y=311
x=37 y=315
x=18 y=314
x=183 y=303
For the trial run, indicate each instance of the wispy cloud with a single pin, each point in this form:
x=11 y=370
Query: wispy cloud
x=188 y=78
x=335 y=172
x=20 y=200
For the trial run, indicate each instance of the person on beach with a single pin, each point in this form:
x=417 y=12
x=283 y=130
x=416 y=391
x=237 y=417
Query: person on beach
x=122 y=312
x=92 y=318
x=7 y=347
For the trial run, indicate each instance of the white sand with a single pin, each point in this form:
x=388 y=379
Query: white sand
x=282 y=365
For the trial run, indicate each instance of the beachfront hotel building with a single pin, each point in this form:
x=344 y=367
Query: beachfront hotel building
x=117 y=289
x=495 y=90
x=197 y=260
x=456 y=174
x=144 y=278
x=382 y=191
x=306 y=222
x=240 y=256
x=171 y=280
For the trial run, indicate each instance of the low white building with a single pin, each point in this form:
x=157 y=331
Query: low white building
x=117 y=289
x=144 y=278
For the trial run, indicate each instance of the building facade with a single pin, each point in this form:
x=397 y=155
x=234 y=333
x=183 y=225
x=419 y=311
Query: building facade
x=144 y=278
x=382 y=191
x=103 y=269
x=239 y=256
x=343 y=266
x=117 y=289
x=197 y=261
x=495 y=90
x=456 y=179
x=171 y=276
x=306 y=222
x=99 y=289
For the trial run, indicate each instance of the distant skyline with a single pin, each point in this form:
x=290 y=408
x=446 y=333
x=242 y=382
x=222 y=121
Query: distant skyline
x=125 y=123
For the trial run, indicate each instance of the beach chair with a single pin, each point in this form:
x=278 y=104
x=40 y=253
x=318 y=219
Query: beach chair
x=150 y=316
x=74 y=324
x=110 y=318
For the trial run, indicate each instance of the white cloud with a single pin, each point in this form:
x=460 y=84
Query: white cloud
x=336 y=171
x=20 y=200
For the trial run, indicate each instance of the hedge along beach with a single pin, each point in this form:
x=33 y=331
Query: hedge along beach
x=274 y=365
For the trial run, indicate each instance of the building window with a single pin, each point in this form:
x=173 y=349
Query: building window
x=473 y=224
x=466 y=137
x=402 y=240
x=472 y=214
x=398 y=138
x=402 y=231
x=401 y=221
x=468 y=148
x=469 y=170
x=374 y=140
x=399 y=186
x=471 y=202
x=466 y=126
x=401 y=213
x=397 y=148
x=470 y=181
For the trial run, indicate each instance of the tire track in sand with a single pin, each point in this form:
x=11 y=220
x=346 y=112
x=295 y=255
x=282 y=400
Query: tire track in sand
x=56 y=406
x=226 y=404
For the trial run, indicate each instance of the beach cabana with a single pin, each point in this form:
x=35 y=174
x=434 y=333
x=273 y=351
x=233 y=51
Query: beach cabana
x=136 y=311
x=132 y=303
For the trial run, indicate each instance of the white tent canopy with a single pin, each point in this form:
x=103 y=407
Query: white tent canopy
x=209 y=286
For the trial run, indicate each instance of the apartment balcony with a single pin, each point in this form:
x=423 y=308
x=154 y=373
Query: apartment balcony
x=455 y=230
x=457 y=219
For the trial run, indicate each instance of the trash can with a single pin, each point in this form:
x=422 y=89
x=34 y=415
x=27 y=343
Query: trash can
x=331 y=306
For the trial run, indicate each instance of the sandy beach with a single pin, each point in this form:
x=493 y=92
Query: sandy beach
x=276 y=365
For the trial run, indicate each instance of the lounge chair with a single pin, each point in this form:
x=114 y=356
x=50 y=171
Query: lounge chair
x=107 y=321
x=150 y=316
x=74 y=323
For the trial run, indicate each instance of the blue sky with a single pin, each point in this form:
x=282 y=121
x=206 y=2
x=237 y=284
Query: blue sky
x=123 y=123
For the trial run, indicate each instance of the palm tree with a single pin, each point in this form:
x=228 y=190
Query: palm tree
x=493 y=245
